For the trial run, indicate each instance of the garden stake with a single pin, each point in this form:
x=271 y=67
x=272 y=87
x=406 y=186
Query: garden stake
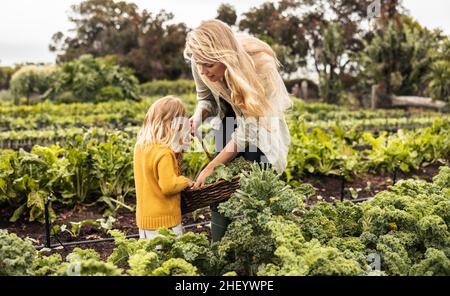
x=47 y=224
x=342 y=187
x=394 y=175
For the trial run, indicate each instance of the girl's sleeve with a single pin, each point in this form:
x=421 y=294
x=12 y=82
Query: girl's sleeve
x=168 y=179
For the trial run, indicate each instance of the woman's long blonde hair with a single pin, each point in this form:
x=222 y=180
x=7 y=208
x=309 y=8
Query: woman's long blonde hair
x=162 y=124
x=212 y=42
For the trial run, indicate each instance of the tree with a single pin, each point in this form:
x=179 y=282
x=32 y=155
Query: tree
x=31 y=80
x=328 y=33
x=227 y=14
x=140 y=40
x=101 y=27
x=328 y=56
x=5 y=76
x=397 y=58
x=437 y=80
x=90 y=79
x=281 y=29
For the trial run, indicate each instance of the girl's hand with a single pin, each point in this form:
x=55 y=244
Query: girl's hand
x=202 y=177
x=190 y=183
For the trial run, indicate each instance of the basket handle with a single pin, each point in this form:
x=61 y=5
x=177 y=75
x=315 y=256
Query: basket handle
x=206 y=150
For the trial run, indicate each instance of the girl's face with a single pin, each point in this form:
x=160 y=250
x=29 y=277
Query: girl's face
x=213 y=71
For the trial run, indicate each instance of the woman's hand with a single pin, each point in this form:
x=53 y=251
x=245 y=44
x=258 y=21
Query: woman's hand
x=202 y=177
x=193 y=123
x=196 y=120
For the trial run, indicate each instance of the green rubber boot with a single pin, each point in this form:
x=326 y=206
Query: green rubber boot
x=219 y=224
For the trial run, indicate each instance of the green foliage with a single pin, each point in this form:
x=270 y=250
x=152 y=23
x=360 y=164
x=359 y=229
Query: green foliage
x=261 y=197
x=87 y=263
x=394 y=254
x=167 y=87
x=332 y=153
x=16 y=254
x=406 y=227
x=434 y=232
x=46 y=265
x=227 y=172
x=435 y=263
x=195 y=249
x=31 y=80
x=175 y=267
x=93 y=80
x=399 y=57
x=327 y=57
x=5 y=76
x=30 y=177
x=112 y=167
x=220 y=172
x=143 y=263
x=227 y=14
x=75 y=227
x=442 y=179
x=165 y=254
x=325 y=221
x=296 y=257
x=438 y=78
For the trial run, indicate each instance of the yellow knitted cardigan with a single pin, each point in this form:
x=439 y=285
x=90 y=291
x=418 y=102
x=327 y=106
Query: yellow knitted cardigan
x=158 y=187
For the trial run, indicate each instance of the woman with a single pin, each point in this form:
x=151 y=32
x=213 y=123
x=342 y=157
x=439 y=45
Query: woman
x=237 y=75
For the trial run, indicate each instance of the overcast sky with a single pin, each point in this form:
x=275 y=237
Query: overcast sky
x=26 y=26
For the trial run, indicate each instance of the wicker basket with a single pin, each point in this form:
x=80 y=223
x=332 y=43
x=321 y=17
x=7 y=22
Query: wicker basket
x=219 y=191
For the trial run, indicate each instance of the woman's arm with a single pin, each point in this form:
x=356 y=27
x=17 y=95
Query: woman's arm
x=226 y=155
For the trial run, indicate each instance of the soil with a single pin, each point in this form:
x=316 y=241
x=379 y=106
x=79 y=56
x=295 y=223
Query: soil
x=328 y=189
x=364 y=185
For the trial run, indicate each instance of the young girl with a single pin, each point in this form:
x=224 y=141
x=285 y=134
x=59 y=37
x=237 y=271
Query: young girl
x=156 y=172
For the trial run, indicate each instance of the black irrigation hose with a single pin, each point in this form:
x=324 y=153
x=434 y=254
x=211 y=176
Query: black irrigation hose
x=85 y=242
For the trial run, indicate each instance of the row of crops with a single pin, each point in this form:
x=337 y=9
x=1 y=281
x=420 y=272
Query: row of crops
x=400 y=231
x=96 y=166
x=118 y=115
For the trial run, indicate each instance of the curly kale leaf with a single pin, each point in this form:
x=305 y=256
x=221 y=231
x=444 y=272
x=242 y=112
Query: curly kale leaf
x=175 y=267
x=227 y=172
x=262 y=189
x=195 y=249
x=435 y=263
x=434 y=232
x=220 y=172
x=46 y=265
x=16 y=254
x=394 y=255
x=143 y=263
x=442 y=179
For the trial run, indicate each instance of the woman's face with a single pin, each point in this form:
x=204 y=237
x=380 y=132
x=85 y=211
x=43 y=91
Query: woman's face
x=213 y=71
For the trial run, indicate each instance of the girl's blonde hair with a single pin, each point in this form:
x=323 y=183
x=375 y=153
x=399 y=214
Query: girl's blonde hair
x=212 y=42
x=162 y=124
